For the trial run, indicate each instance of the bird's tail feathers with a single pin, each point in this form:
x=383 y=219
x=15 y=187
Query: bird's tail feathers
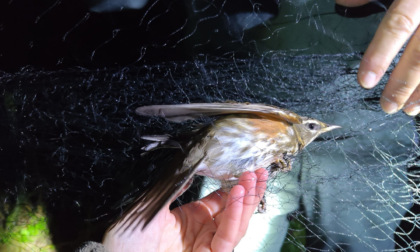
x=160 y=142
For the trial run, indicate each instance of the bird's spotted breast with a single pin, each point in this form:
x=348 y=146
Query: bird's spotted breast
x=237 y=143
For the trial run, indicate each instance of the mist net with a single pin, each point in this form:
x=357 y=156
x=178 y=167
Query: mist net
x=73 y=73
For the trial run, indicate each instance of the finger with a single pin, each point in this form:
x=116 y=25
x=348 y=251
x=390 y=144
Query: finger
x=249 y=180
x=215 y=201
x=225 y=238
x=262 y=177
x=208 y=207
x=404 y=78
x=255 y=184
x=412 y=107
x=206 y=212
x=253 y=198
x=258 y=193
x=352 y=3
x=399 y=23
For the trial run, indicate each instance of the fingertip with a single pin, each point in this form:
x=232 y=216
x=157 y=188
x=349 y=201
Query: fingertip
x=412 y=111
x=262 y=174
x=367 y=79
x=389 y=106
x=247 y=177
x=237 y=191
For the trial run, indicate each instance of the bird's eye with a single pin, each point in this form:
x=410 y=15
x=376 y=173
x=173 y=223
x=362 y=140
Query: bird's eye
x=313 y=126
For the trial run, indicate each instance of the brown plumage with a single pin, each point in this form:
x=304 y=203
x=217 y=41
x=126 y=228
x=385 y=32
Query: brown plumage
x=244 y=137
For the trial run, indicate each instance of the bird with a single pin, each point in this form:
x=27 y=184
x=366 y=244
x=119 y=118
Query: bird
x=242 y=137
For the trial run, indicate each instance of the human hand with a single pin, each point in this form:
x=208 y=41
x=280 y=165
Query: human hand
x=402 y=90
x=214 y=223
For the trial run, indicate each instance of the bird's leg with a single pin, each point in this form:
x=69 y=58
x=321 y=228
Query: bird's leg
x=262 y=207
x=285 y=162
x=282 y=163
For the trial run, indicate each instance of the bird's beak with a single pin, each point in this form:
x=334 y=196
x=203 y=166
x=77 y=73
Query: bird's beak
x=330 y=127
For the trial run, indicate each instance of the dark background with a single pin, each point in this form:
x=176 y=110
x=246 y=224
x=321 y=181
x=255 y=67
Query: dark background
x=71 y=78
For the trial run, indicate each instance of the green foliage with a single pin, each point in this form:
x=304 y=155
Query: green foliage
x=296 y=237
x=26 y=229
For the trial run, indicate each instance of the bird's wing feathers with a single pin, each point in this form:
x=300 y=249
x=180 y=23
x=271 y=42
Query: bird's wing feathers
x=162 y=191
x=183 y=112
x=154 y=198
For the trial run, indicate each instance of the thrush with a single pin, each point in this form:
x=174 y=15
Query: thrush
x=243 y=137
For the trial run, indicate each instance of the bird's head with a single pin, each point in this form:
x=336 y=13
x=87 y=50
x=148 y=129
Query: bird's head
x=310 y=129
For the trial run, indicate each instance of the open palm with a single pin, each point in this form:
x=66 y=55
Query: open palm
x=214 y=223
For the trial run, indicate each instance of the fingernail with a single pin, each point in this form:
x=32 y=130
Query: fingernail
x=414 y=111
x=368 y=79
x=389 y=106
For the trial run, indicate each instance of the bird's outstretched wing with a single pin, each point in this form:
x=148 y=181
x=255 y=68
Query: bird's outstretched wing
x=153 y=198
x=169 y=185
x=183 y=112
